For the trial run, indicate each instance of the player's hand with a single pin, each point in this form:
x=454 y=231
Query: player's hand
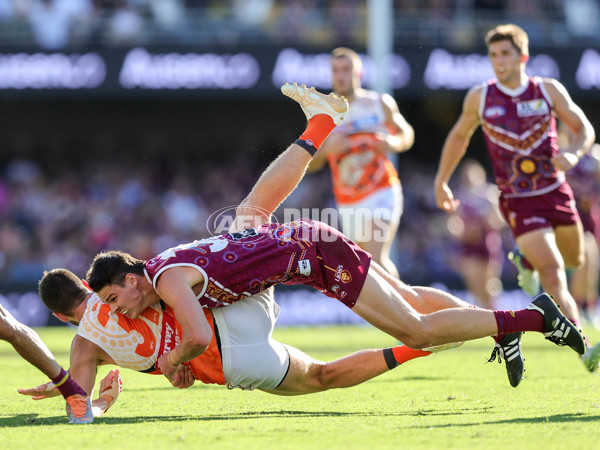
x=41 y=392
x=444 y=198
x=169 y=370
x=185 y=377
x=111 y=386
x=565 y=161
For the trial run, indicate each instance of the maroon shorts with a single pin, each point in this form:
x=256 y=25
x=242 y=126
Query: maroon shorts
x=340 y=266
x=553 y=209
x=488 y=248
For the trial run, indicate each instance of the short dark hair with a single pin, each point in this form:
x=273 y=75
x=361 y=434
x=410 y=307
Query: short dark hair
x=62 y=291
x=111 y=268
x=509 y=32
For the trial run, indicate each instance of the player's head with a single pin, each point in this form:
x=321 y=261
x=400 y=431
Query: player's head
x=346 y=71
x=515 y=35
x=62 y=291
x=111 y=268
x=508 y=49
x=118 y=279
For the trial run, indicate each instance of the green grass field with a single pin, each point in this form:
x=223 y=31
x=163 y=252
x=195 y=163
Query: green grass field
x=451 y=400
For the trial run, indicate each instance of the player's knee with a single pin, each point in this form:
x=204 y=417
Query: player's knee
x=549 y=276
x=418 y=338
x=574 y=261
x=421 y=335
x=322 y=377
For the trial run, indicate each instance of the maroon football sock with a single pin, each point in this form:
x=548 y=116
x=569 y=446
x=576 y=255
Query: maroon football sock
x=521 y=320
x=66 y=385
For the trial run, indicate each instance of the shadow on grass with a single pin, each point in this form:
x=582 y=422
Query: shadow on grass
x=557 y=418
x=28 y=420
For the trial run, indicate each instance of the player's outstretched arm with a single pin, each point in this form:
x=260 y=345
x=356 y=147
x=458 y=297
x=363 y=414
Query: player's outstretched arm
x=454 y=149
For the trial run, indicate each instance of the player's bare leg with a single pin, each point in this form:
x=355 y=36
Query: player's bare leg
x=324 y=113
x=31 y=347
x=541 y=250
x=423 y=299
x=583 y=281
x=380 y=304
x=28 y=344
x=307 y=375
x=381 y=234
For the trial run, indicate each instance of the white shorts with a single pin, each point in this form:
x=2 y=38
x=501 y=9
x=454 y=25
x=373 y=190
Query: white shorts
x=383 y=207
x=251 y=358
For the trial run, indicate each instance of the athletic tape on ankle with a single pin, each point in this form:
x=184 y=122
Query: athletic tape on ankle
x=306 y=146
x=390 y=359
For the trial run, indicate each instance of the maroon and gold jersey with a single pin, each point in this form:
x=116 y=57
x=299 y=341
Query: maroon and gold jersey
x=520 y=131
x=237 y=265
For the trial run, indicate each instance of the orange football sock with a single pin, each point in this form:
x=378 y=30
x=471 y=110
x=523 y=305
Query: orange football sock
x=317 y=130
x=401 y=354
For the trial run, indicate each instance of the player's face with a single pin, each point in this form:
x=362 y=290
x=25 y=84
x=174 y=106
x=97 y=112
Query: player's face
x=342 y=76
x=506 y=62
x=126 y=299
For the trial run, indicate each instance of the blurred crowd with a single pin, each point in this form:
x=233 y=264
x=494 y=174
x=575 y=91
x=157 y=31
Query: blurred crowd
x=62 y=216
x=57 y=24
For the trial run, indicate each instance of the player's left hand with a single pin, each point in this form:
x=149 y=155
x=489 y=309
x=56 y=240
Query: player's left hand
x=41 y=392
x=111 y=386
x=565 y=161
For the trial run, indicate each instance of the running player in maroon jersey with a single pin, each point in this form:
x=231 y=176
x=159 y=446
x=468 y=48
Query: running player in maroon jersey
x=475 y=226
x=224 y=269
x=517 y=114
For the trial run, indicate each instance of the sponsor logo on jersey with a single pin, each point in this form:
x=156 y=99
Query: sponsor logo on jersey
x=168 y=338
x=532 y=108
x=304 y=267
x=342 y=275
x=494 y=111
x=250 y=232
x=533 y=219
x=335 y=288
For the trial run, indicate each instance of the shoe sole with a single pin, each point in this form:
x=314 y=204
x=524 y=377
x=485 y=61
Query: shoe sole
x=314 y=102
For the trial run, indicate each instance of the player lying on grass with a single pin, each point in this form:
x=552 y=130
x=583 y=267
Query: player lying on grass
x=242 y=352
x=222 y=270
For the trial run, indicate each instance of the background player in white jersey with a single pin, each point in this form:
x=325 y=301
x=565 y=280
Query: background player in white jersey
x=518 y=117
x=365 y=183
